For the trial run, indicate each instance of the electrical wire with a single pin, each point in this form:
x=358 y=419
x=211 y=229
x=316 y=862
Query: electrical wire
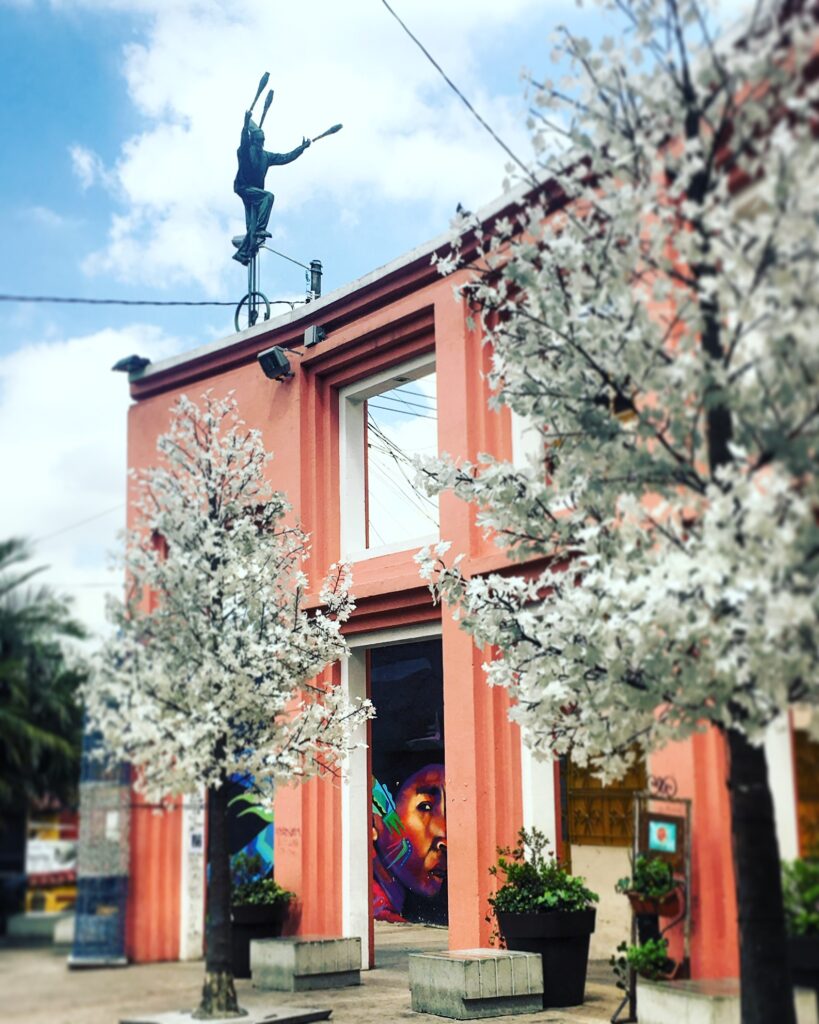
x=415 y=394
x=461 y=96
x=75 y=301
x=396 y=487
x=80 y=522
x=388 y=396
x=75 y=586
x=400 y=412
x=399 y=456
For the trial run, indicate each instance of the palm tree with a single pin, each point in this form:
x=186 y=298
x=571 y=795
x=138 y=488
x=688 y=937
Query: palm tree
x=40 y=718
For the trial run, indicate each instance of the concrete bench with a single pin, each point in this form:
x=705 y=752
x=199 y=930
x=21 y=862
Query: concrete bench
x=470 y=983
x=302 y=962
x=714 y=1001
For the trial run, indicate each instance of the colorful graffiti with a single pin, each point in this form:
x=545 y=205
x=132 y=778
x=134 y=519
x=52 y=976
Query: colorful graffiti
x=408 y=786
x=410 y=847
x=250 y=825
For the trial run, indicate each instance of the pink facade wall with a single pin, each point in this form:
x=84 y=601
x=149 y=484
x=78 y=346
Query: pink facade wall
x=403 y=313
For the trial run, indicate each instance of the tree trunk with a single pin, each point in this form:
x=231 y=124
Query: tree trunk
x=218 y=991
x=766 y=992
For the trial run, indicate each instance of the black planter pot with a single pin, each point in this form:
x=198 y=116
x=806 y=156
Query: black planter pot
x=254 y=922
x=803 y=959
x=562 y=939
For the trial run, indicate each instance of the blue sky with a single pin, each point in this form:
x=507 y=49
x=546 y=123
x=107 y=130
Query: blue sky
x=120 y=120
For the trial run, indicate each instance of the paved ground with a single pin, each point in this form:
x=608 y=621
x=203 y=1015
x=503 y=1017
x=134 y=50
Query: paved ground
x=37 y=988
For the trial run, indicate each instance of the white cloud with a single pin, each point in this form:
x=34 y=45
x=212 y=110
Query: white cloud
x=406 y=137
x=89 y=168
x=62 y=455
x=45 y=217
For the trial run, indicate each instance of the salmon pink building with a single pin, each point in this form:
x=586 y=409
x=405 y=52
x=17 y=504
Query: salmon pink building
x=397 y=368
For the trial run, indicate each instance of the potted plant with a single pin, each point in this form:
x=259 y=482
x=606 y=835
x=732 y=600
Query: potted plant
x=258 y=908
x=652 y=887
x=649 y=960
x=800 y=891
x=541 y=908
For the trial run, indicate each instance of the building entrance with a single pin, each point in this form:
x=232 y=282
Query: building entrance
x=409 y=854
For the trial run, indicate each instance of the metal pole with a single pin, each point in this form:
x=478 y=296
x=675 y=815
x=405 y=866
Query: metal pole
x=250 y=268
x=315 y=278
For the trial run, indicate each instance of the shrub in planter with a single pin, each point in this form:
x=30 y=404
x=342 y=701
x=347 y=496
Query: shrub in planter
x=800 y=891
x=541 y=908
x=257 y=911
x=648 y=959
x=652 y=888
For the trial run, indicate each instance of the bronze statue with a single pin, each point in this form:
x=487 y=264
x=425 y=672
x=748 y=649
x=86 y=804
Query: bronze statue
x=254 y=161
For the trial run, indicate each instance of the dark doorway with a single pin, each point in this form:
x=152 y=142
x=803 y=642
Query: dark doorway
x=408 y=792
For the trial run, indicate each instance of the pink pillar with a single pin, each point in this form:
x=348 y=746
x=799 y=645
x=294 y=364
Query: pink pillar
x=700 y=767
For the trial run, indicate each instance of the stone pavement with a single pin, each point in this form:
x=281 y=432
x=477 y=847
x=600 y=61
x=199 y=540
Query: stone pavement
x=37 y=988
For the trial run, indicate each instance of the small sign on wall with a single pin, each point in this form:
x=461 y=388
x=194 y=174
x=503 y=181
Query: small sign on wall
x=663 y=836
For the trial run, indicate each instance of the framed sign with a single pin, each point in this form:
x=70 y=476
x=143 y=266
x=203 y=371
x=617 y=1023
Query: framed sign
x=663 y=836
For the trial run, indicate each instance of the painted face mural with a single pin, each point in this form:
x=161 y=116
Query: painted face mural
x=409 y=791
x=411 y=838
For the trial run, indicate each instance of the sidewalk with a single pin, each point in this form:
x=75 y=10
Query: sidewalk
x=37 y=988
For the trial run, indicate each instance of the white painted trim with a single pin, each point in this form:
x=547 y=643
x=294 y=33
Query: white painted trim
x=527 y=442
x=352 y=457
x=386 y=380
x=351 y=478
x=192 y=879
x=537 y=782
x=396 y=635
x=415 y=544
x=356 y=841
x=356 y=814
x=779 y=755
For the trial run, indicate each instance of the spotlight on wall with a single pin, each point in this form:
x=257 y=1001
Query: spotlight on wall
x=313 y=335
x=275 y=364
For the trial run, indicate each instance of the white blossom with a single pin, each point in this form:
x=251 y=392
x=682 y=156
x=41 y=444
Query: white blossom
x=216 y=666
x=681 y=587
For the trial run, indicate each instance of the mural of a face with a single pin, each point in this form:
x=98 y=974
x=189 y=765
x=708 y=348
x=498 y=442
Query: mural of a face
x=416 y=854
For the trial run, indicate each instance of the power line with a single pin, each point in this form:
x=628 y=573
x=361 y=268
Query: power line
x=81 y=522
x=460 y=95
x=401 y=412
x=388 y=396
x=75 y=586
x=405 y=389
x=398 y=455
x=76 y=301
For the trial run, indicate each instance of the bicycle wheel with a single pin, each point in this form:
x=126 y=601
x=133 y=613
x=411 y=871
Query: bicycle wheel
x=248 y=310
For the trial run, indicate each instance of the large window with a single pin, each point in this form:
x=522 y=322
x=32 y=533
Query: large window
x=386 y=421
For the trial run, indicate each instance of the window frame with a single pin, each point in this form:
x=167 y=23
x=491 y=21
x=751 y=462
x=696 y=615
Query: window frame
x=352 y=459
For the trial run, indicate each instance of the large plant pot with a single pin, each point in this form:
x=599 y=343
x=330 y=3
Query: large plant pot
x=803 y=959
x=562 y=939
x=255 y=922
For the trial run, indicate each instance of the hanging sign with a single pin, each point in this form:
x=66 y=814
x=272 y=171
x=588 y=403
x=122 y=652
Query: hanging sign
x=663 y=836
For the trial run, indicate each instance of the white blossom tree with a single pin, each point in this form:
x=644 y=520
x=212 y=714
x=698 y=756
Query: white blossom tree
x=211 y=673
x=652 y=315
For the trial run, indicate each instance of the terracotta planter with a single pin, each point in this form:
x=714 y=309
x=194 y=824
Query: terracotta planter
x=668 y=906
x=254 y=922
x=562 y=939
